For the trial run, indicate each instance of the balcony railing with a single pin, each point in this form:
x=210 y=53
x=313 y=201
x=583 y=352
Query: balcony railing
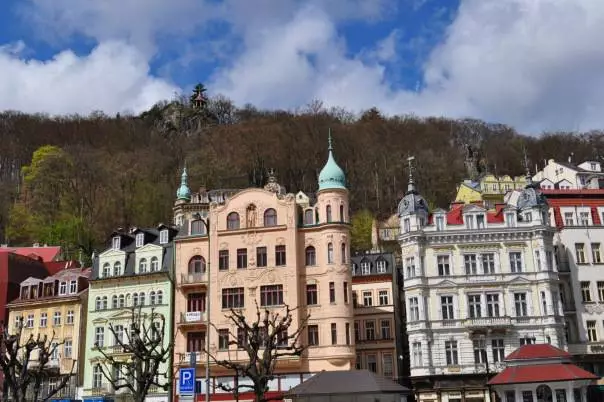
x=193 y=279
x=486 y=322
x=185 y=358
x=193 y=317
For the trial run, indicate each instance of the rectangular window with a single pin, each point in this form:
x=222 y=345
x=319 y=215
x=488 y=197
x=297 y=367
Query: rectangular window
x=332 y=292
x=261 y=258
x=585 y=291
x=385 y=329
x=56 y=319
x=584 y=218
x=280 y=259
x=63 y=288
x=480 y=221
x=69 y=319
x=99 y=336
x=416 y=350
x=372 y=363
x=596 y=255
x=30 y=321
x=440 y=223
x=413 y=309
x=527 y=341
x=357 y=331
x=345 y=291
x=334 y=333
x=370 y=330
x=451 y=353
x=140 y=239
x=527 y=396
x=470 y=264
x=488 y=263
x=242 y=258
x=67 y=347
x=492 y=305
x=469 y=220
x=406 y=225
x=480 y=351
x=498 y=347
x=474 y=306
x=271 y=295
x=43 y=319
x=446 y=305
x=515 y=261
x=116 y=243
x=232 y=298
x=383 y=297
x=580 y=253
x=196 y=341
x=313 y=335
x=592 y=332
x=196 y=302
x=510 y=220
x=444 y=268
x=223 y=339
x=568 y=219
x=73 y=287
x=312 y=297
x=359 y=361
x=538 y=260
x=410 y=267
x=365 y=268
x=600 y=291
x=387 y=365
x=367 y=299
x=348 y=333
x=520 y=304
x=223 y=260
x=242 y=338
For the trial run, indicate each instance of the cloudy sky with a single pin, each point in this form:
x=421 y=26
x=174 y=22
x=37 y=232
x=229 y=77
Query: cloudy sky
x=533 y=64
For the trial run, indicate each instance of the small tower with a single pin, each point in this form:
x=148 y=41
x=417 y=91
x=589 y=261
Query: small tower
x=413 y=208
x=183 y=196
x=332 y=197
x=532 y=204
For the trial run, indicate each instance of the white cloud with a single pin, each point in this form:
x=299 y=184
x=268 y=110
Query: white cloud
x=113 y=78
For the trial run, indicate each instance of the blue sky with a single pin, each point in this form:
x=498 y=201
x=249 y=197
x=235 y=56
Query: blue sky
x=533 y=64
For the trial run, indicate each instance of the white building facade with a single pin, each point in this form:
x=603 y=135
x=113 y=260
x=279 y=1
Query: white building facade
x=567 y=176
x=478 y=284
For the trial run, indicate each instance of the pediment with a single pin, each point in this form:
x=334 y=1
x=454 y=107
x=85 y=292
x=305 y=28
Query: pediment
x=112 y=253
x=519 y=280
x=469 y=208
x=100 y=320
x=31 y=281
x=445 y=284
x=149 y=247
x=439 y=211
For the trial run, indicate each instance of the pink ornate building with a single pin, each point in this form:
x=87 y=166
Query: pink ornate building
x=272 y=247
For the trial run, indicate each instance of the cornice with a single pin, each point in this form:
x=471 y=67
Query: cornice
x=476 y=236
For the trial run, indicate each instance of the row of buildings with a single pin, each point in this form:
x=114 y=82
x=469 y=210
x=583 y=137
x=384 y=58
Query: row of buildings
x=466 y=287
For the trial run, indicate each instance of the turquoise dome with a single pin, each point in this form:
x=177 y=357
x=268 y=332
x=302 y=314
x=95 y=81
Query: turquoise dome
x=183 y=192
x=332 y=176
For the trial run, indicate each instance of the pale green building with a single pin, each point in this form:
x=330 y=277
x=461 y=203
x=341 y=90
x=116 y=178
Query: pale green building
x=135 y=271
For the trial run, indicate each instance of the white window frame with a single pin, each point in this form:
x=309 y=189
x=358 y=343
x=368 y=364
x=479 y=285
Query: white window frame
x=116 y=242
x=383 y=298
x=69 y=317
x=163 y=236
x=62 y=288
x=440 y=222
x=140 y=239
x=73 y=287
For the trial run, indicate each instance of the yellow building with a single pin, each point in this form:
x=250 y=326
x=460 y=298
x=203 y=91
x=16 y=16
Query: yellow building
x=488 y=188
x=55 y=307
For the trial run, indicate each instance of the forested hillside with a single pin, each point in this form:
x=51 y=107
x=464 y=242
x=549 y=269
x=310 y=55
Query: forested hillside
x=71 y=180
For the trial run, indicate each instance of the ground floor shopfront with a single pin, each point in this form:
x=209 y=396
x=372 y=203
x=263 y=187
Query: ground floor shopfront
x=459 y=388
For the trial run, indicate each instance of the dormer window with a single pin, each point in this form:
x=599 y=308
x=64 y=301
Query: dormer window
x=469 y=219
x=140 y=239
x=365 y=267
x=440 y=223
x=480 y=221
x=528 y=217
x=510 y=219
x=63 y=288
x=116 y=243
x=381 y=266
x=163 y=236
x=406 y=225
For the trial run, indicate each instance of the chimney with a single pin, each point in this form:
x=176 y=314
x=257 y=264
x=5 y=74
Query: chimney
x=36 y=245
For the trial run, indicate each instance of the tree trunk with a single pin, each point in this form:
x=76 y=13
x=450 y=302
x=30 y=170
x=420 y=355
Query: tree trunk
x=259 y=395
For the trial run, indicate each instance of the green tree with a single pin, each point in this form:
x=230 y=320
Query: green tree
x=360 y=233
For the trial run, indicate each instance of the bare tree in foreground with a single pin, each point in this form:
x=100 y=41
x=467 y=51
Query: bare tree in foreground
x=266 y=340
x=142 y=341
x=25 y=366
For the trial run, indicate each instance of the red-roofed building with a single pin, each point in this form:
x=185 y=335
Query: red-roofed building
x=542 y=372
x=45 y=253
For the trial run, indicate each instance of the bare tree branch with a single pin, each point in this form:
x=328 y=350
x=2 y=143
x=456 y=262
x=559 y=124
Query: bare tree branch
x=266 y=340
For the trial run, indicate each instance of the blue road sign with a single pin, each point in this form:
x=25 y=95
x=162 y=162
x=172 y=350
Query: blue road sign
x=186 y=381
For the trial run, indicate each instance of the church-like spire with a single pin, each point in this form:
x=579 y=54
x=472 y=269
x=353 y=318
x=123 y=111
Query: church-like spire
x=332 y=176
x=183 y=192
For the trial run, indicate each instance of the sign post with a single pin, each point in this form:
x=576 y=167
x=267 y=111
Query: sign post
x=186 y=381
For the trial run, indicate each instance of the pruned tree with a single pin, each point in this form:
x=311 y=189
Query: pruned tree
x=266 y=339
x=143 y=342
x=26 y=366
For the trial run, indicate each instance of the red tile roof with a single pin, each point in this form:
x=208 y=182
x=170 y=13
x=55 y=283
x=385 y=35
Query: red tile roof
x=541 y=373
x=47 y=254
x=537 y=351
x=547 y=192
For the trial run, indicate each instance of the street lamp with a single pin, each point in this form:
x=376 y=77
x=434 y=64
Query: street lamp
x=206 y=224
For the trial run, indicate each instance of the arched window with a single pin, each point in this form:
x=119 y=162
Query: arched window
x=270 y=217
x=114 y=301
x=159 y=297
x=142 y=265
x=198 y=227
x=311 y=256
x=197 y=265
x=233 y=221
x=122 y=301
x=97 y=303
x=106 y=270
x=152 y=298
x=141 y=298
x=117 y=269
x=343 y=253
x=154 y=264
x=135 y=299
x=342 y=217
x=308 y=217
x=105 y=303
x=330 y=253
x=328 y=213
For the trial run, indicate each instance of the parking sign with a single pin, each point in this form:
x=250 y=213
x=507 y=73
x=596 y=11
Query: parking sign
x=186 y=381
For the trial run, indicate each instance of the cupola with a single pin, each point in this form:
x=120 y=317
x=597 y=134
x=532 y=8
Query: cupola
x=332 y=176
x=183 y=192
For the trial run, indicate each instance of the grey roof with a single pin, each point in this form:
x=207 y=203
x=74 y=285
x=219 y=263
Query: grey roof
x=347 y=382
x=372 y=258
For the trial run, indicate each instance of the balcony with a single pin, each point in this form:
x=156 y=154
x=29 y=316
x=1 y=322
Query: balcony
x=586 y=348
x=488 y=323
x=185 y=358
x=193 y=318
x=192 y=280
x=115 y=349
x=103 y=389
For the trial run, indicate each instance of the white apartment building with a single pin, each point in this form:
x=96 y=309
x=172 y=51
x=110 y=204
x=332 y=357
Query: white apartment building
x=566 y=176
x=478 y=284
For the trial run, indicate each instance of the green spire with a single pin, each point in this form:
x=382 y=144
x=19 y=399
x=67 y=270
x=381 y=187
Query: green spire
x=183 y=192
x=332 y=176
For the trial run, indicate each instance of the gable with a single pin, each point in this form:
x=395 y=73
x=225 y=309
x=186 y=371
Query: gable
x=111 y=253
x=445 y=284
x=149 y=248
x=519 y=280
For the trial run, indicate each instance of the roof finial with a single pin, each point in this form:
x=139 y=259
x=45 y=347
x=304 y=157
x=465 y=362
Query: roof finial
x=411 y=185
x=527 y=170
x=330 y=148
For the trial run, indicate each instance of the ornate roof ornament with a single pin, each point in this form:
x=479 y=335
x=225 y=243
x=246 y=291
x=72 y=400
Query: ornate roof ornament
x=332 y=176
x=183 y=192
x=412 y=202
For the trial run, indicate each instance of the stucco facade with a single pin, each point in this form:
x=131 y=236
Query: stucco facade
x=134 y=274
x=264 y=246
